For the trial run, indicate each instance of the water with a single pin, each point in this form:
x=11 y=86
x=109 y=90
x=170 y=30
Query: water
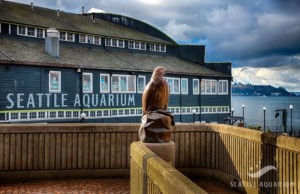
x=254 y=115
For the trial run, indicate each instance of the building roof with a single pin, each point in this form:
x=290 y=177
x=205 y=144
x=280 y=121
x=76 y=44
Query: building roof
x=30 y=51
x=47 y=18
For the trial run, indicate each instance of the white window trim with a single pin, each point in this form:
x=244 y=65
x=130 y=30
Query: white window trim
x=59 y=82
x=91 y=83
x=66 y=36
x=187 y=86
x=144 y=80
x=108 y=84
x=159 y=46
x=26 y=31
x=98 y=38
x=9 y=29
x=197 y=81
x=0 y=27
x=205 y=82
x=139 y=45
x=172 y=89
x=111 y=41
x=223 y=81
x=119 y=84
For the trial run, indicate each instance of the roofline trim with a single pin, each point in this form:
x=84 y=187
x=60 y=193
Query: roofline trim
x=47 y=64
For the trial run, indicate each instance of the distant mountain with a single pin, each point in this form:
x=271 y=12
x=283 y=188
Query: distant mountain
x=239 y=89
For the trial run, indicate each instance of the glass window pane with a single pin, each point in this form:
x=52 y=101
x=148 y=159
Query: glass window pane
x=87 y=81
x=114 y=42
x=108 y=42
x=30 y=31
x=115 y=83
x=130 y=44
x=90 y=39
x=22 y=30
x=196 y=86
x=213 y=87
x=176 y=85
x=62 y=35
x=82 y=38
x=54 y=81
x=131 y=83
x=170 y=82
x=184 y=86
x=39 y=33
x=104 y=83
x=123 y=83
x=225 y=87
x=70 y=36
x=121 y=43
x=141 y=84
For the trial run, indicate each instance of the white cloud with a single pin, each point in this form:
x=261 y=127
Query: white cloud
x=96 y=10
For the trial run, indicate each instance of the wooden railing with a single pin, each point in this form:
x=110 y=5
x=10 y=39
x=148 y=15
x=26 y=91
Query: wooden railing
x=225 y=152
x=232 y=154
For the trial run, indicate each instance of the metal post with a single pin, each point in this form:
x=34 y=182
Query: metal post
x=291 y=108
x=243 y=106
x=232 y=110
x=194 y=112
x=264 y=109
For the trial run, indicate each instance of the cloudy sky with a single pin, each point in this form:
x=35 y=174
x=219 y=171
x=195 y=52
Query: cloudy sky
x=262 y=36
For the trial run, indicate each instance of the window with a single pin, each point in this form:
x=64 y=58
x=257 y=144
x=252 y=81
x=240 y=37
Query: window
x=39 y=33
x=97 y=40
x=87 y=83
x=143 y=46
x=209 y=86
x=195 y=86
x=184 y=86
x=70 y=37
x=123 y=83
x=104 y=83
x=107 y=42
x=174 y=85
x=158 y=47
x=22 y=30
x=90 y=39
x=130 y=44
x=62 y=35
x=30 y=31
x=55 y=81
x=82 y=38
x=223 y=87
x=141 y=82
x=114 y=42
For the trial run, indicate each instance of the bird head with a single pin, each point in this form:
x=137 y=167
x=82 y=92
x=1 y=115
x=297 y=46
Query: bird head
x=158 y=72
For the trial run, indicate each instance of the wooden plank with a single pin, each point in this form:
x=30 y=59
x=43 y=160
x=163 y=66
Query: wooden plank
x=187 y=150
x=208 y=150
x=52 y=151
x=118 y=150
x=18 y=152
x=217 y=150
x=64 y=151
x=2 y=144
x=296 y=179
x=91 y=150
x=193 y=149
x=12 y=152
x=213 y=150
x=298 y=173
x=198 y=149
x=75 y=151
x=36 y=147
x=124 y=150
x=202 y=140
x=107 y=150
x=47 y=151
x=80 y=151
x=6 y=151
x=182 y=149
x=97 y=150
x=129 y=142
x=58 y=150
x=69 y=150
x=86 y=145
x=102 y=150
x=177 y=148
x=113 y=150
x=41 y=149
x=30 y=152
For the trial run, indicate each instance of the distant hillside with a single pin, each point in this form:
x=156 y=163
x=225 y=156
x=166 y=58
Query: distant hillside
x=239 y=89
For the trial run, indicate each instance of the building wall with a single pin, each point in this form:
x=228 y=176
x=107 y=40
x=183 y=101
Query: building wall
x=25 y=90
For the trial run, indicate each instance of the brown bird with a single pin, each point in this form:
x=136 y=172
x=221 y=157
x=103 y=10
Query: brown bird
x=156 y=93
